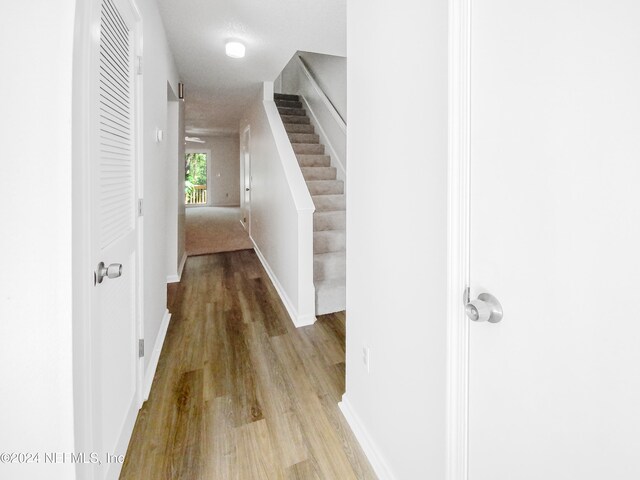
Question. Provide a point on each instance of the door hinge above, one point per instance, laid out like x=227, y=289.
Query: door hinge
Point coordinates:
x=141, y=348
x=139, y=65
x=140, y=207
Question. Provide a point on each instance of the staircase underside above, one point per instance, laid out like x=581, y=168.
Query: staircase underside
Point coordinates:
x=327, y=192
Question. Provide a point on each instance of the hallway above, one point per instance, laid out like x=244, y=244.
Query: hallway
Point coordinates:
x=214, y=230
x=240, y=393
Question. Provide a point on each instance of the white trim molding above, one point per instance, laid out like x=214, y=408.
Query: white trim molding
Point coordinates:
x=298, y=320
x=458, y=239
x=371, y=450
x=176, y=278
x=155, y=354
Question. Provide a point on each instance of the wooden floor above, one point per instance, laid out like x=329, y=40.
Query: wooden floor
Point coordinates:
x=239, y=393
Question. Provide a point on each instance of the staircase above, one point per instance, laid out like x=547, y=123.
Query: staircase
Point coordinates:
x=329, y=219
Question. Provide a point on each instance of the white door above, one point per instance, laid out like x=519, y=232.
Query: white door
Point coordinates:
x=554, y=388
x=246, y=161
x=114, y=330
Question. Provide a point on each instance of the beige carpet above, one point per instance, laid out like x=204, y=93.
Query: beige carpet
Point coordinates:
x=214, y=230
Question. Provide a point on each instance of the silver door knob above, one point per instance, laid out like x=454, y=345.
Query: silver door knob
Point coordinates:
x=112, y=271
x=486, y=308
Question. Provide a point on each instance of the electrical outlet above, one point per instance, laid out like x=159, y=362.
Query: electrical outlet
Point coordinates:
x=365, y=358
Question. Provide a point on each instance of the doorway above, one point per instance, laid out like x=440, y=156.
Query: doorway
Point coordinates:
x=196, y=177
x=245, y=164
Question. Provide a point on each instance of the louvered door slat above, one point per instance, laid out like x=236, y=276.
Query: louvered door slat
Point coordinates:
x=116, y=205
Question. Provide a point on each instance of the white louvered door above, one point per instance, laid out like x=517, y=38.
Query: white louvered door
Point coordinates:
x=115, y=233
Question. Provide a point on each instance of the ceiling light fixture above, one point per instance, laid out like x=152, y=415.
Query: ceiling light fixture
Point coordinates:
x=234, y=49
x=194, y=140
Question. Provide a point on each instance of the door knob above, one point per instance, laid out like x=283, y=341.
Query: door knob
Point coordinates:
x=247, y=189
x=112, y=271
x=486, y=308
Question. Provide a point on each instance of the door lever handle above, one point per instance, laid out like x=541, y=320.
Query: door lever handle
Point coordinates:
x=486, y=308
x=112, y=271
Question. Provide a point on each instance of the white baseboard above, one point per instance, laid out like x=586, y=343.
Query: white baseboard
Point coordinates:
x=298, y=320
x=176, y=278
x=369, y=447
x=155, y=354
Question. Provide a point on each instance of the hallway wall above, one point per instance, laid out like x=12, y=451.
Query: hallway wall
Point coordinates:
x=396, y=266
x=36, y=390
x=225, y=162
x=158, y=69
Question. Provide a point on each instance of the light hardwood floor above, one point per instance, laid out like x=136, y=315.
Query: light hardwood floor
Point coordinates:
x=240, y=393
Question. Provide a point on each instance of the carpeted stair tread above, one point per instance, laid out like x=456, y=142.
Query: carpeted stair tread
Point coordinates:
x=295, y=119
x=304, y=138
x=286, y=96
x=288, y=104
x=310, y=160
x=329, y=265
x=319, y=173
x=331, y=295
x=299, y=128
x=329, y=241
x=308, y=148
x=329, y=220
x=299, y=112
x=329, y=203
x=325, y=187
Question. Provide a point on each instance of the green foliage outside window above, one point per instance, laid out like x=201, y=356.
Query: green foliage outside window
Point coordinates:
x=195, y=170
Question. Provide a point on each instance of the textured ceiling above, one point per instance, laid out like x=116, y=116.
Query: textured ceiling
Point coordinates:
x=218, y=88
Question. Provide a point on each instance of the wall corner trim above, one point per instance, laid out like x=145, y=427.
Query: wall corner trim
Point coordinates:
x=155, y=354
x=176, y=278
x=298, y=320
x=369, y=447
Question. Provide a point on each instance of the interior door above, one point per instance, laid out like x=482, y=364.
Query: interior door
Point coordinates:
x=246, y=159
x=114, y=330
x=555, y=227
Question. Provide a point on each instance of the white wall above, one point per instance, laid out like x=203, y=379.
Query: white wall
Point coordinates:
x=181, y=170
x=36, y=390
x=175, y=185
x=396, y=265
x=159, y=69
x=330, y=72
x=224, y=168
x=281, y=209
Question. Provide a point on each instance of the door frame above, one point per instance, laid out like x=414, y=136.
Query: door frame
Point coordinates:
x=458, y=254
x=245, y=146
x=207, y=151
x=84, y=65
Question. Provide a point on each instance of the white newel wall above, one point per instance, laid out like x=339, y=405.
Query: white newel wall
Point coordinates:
x=281, y=209
x=397, y=251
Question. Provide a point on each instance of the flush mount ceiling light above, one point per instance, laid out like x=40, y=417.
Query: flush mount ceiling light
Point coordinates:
x=234, y=49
